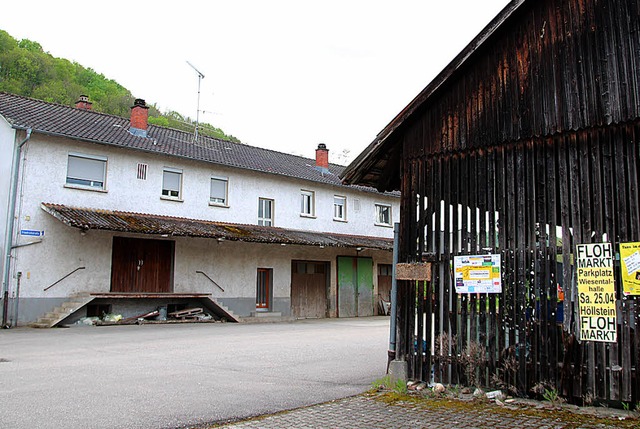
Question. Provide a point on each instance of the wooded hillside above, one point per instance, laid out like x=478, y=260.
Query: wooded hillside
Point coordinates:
x=25, y=69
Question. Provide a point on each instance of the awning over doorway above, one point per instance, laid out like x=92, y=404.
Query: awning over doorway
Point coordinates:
x=142, y=223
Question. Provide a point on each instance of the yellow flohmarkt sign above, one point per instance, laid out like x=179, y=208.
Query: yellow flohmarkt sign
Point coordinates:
x=596, y=293
x=630, y=264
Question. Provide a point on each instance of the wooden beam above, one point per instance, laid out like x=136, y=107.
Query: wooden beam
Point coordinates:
x=414, y=271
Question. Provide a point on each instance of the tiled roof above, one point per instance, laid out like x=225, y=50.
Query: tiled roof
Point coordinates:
x=141, y=223
x=71, y=122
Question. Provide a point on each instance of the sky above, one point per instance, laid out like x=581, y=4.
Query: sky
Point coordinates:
x=279, y=74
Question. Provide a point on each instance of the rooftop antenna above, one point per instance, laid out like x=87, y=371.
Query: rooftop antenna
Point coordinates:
x=200, y=77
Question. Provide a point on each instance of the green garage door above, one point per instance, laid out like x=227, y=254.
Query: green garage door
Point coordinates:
x=355, y=286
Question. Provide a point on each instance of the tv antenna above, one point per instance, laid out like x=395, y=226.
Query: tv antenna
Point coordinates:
x=200, y=77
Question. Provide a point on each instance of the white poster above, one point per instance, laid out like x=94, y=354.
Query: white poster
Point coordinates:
x=477, y=274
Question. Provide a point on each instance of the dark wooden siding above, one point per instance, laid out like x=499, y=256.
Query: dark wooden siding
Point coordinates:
x=531, y=201
x=555, y=66
x=527, y=149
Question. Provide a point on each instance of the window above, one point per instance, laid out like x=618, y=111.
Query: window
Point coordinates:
x=383, y=214
x=385, y=270
x=339, y=208
x=263, y=289
x=265, y=212
x=86, y=171
x=219, y=189
x=307, y=206
x=171, y=183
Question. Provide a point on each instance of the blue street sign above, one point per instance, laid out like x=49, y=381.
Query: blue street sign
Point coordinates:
x=31, y=232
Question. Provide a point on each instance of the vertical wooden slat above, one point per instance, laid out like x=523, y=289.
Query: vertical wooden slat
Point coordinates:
x=550, y=259
x=464, y=298
x=541, y=268
x=473, y=224
x=455, y=250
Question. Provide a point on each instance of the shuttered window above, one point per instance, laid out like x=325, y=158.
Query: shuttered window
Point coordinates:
x=171, y=183
x=85, y=170
x=218, y=194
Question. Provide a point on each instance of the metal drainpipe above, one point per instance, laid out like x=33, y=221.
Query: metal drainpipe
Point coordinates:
x=394, y=297
x=13, y=190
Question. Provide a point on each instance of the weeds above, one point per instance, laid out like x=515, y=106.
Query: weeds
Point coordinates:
x=382, y=383
x=400, y=387
x=474, y=361
x=548, y=392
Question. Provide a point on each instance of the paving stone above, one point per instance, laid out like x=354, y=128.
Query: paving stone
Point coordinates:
x=365, y=412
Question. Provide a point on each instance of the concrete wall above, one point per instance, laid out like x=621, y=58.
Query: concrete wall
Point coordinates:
x=232, y=265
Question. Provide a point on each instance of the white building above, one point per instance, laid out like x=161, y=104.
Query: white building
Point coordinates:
x=110, y=214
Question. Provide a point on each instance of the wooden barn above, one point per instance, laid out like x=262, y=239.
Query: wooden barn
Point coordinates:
x=518, y=166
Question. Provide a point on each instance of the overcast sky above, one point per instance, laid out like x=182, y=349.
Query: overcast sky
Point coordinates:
x=280, y=74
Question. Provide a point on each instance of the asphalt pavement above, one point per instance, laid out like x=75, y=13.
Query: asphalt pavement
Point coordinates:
x=170, y=376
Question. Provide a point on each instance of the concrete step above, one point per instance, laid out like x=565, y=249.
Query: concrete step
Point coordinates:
x=58, y=314
x=39, y=325
x=221, y=310
x=267, y=319
x=263, y=314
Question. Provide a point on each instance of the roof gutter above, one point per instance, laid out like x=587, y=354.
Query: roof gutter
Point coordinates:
x=8, y=245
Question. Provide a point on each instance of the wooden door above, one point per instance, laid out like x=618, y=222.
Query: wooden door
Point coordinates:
x=142, y=265
x=263, y=289
x=365, y=286
x=309, y=282
x=355, y=286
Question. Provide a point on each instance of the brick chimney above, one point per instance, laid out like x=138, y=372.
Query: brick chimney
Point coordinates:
x=322, y=158
x=83, y=103
x=139, y=118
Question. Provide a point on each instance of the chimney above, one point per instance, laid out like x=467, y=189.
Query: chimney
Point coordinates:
x=139, y=118
x=83, y=103
x=322, y=158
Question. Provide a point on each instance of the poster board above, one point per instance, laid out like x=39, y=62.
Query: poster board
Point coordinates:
x=596, y=293
x=477, y=273
x=630, y=268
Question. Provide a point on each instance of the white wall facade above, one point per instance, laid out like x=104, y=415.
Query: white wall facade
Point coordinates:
x=231, y=264
x=7, y=139
x=46, y=168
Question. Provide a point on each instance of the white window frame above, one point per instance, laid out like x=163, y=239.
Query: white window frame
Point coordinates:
x=90, y=184
x=168, y=195
x=307, y=203
x=263, y=220
x=343, y=206
x=378, y=213
x=216, y=201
